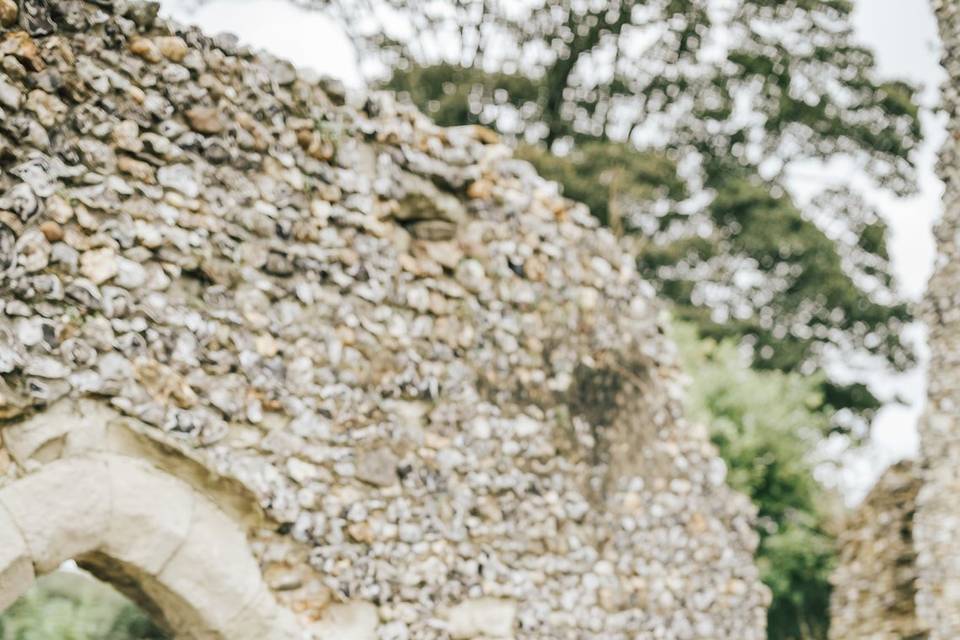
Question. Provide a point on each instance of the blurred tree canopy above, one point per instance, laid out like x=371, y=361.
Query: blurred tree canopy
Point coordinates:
x=767, y=428
x=680, y=122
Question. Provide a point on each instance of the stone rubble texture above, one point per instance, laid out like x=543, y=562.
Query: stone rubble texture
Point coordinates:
x=938, y=519
x=875, y=582
x=445, y=386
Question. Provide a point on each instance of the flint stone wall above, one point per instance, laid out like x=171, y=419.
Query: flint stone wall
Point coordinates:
x=879, y=566
x=445, y=385
x=938, y=519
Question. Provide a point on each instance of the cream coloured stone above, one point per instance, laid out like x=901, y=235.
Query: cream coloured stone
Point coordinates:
x=348, y=621
x=151, y=515
x=62, y=510
x=24, y=439
x=99, y=265
x=213, y=570
x=262, y=619
x=132, y=438
x=87, y=425
x=126, y=512
x=88, y=433
x=482, y=618
x=16, y=566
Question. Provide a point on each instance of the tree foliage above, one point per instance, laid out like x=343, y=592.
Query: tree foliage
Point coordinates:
x=766, y=426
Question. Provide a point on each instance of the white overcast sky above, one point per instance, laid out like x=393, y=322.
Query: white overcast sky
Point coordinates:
x=903, y=34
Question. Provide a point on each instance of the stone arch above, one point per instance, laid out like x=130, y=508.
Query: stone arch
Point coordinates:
x=151, y=535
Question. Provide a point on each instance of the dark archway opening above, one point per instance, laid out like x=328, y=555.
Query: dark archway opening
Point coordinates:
x=71, y=604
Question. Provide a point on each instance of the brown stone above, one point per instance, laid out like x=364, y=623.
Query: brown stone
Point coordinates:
x=480, y=190
x=52, y=231
x=485, y=135
x=316, y=145
x=361, y=532
x=20, y=45
x=172, y=48
x=139, y=170
x=875, y=580
x=8, y=12
x=146, y=49
x=205, y=120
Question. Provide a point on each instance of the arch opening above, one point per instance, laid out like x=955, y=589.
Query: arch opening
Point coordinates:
x=153, y=537
x=70, y=603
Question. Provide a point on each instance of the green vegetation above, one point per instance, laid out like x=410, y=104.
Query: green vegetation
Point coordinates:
x=766, y=426
x=72, y=606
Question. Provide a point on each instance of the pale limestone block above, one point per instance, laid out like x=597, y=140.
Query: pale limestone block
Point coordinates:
x=25, y=438
x=263, y=619
x=89, y=434
x=213, y=570
x=151, y=515
x=348, y=621
x=16, y=566
x=62, y=510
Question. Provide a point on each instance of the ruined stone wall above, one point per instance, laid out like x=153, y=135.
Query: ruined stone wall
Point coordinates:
x=445, y=385
x=938, y=516
x=874, y=584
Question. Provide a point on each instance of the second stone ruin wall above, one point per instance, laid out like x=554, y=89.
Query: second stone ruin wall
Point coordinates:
x=875, y=583
x=938, y=518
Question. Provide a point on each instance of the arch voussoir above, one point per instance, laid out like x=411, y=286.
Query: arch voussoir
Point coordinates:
x=16, y=565
x=153, y=535
x=262, y=619
x=151, y=515
x=62, y=511
x=213, y=568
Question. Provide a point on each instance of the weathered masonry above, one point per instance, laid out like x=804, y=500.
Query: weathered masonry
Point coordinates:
x=280, y=362
x=118, y=503
x=938, y=518
x=875, y=584
x=900, y=565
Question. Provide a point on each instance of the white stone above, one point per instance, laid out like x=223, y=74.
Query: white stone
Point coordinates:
x=46, y=367
x=348, y=621
x=130, y=274
x=23, y=439
x=98, y=265
x=181, y=177
x=482, y=618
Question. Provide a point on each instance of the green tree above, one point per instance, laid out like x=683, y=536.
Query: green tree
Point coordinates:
x=767, y=427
